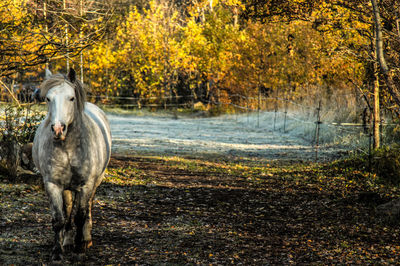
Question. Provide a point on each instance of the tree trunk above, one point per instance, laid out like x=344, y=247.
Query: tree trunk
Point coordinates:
x=46, y=28
x=392, y=89
x=66, y=38
x=81, y=40
x=398, y=21
x=377, y=118
x=13, y=158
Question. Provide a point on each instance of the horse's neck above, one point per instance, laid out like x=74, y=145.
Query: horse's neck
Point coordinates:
x=77, y=128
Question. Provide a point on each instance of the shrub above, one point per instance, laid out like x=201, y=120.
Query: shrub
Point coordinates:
x=17, y=128
x=386, y=164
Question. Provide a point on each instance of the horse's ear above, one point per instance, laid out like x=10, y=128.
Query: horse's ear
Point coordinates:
x=47, y=73
x=72, y=75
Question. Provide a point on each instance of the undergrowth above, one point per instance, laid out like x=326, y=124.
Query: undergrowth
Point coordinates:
x=383, y=163
x=17, y=128
x=386, y=164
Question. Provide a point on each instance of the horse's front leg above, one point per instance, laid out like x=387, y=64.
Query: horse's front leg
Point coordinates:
x=83, y=221
x=58, y=219
x=68, y=197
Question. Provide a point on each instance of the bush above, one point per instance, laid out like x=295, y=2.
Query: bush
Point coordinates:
x=386, y=164
x=17, y=129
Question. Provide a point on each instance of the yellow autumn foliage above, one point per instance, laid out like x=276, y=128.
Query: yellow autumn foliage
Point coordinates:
x=206, y=49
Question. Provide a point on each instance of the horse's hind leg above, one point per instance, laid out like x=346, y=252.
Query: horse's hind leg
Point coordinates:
x=68, y=197
x=56, y=203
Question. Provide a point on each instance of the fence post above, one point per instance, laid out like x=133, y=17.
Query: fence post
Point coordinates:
x=247, y=109
x=284, y=120
x=258, y=107
x=237, y=110
x=276, y=110
x=317, y=129
x=382, y=132
x=370, y=154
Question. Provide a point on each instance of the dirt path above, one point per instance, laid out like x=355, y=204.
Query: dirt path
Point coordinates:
x=178, y=211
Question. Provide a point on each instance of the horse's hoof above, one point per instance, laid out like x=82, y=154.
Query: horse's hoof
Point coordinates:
x=78, y=256
x=88, y=244
x=56, y=258
x=82, y=247
x=68, y=248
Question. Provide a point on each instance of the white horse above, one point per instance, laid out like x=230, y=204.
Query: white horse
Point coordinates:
x=71, y=149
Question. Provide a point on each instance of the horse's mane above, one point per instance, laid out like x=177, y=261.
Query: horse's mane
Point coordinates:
x=59, y=79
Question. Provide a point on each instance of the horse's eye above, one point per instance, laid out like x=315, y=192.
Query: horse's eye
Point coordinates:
x=72, y=99
x=47, y=99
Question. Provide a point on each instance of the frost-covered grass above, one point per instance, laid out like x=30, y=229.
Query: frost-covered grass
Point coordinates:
x=262, y=135
x=340, y=116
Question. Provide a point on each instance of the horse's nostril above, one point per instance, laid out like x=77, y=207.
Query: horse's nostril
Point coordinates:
x=58, y=128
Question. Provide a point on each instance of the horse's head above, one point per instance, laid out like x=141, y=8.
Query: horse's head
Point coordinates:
x=64, y=97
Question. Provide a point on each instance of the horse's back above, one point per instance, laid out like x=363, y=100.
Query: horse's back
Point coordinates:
x=99, y=116
x=100, y=119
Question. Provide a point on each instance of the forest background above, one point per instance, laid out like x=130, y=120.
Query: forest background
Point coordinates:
x=212, y=51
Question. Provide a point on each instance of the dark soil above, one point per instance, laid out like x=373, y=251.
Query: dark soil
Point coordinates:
x=171, y=211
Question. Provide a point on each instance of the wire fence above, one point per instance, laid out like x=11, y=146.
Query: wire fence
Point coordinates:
x=284, y=115
x=280, y=114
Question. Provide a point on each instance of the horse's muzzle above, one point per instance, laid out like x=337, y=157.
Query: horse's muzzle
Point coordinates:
x=59, y=130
